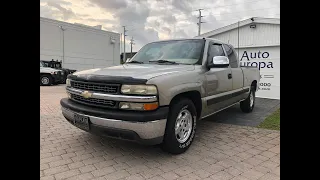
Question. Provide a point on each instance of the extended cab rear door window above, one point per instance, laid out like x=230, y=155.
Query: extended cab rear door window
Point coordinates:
x=231, y=56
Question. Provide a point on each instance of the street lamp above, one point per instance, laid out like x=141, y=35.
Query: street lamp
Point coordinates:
x=62, y=29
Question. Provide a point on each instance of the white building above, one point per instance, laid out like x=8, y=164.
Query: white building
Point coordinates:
x=78, y=46
x=257, y=41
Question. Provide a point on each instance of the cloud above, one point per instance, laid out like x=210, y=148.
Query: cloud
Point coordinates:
x=61, y=2
x=67, y=13
x=166, y=29
x=46, y=11
x=169, y=18
x=184, y=6
x=150, y=20
x=101, y=21
x=180, y=34
x=210, y=23
x=132, y=14
x=111, y=4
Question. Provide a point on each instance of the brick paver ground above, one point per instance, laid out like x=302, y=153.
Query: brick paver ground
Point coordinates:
x=219, y=151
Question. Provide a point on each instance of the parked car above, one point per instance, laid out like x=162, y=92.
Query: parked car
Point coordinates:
x=49, y=76
x=158, y=96
x=58, y=65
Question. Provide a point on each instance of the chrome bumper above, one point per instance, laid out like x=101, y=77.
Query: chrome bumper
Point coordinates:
x=145, y=130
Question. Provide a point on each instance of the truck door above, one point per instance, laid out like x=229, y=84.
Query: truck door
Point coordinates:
x=219, y=83
x=237, y=74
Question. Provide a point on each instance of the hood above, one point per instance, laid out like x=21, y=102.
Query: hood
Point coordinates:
x=48, y=70
x=137, y=71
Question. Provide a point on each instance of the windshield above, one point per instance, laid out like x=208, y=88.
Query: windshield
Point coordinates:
x=58, y=65
x=178, y=51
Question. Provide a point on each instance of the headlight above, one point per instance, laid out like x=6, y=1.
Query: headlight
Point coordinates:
x=68, y=83
x=138, y=106
x=139, y=89
x=69, y=95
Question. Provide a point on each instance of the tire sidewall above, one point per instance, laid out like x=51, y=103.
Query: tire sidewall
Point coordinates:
x=252, y=91
x=49, y=79
x=184, y=104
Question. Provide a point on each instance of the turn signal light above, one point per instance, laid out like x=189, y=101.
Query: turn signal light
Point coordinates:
x=138, y=106
x=150, y=106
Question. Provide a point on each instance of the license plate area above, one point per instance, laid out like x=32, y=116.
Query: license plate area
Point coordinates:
x=81, y=122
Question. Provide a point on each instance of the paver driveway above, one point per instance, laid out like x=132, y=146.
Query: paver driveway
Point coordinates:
x=219, y=151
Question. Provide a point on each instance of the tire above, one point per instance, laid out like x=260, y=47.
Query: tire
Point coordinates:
x=247, y=105
x=45, y=80
x=173, y=143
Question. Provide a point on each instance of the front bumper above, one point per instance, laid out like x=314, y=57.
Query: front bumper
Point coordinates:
x=134, y=126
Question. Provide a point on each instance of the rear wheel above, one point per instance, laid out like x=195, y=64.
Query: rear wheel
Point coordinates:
x=248, y=104
x=45, y=80
x=181, y=126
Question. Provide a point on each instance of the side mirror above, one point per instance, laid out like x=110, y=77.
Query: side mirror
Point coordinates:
x=218, y=61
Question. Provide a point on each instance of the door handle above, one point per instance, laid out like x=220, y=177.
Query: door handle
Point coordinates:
x=229, y=76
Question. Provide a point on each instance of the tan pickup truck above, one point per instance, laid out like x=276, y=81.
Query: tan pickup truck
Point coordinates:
x=157, y=96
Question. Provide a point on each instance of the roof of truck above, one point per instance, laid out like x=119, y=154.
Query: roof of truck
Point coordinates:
x=179, y=39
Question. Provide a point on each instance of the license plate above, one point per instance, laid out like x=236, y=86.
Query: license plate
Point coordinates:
x=81, y=121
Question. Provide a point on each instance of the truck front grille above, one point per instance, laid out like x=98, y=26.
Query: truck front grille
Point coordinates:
x=97, y=87
x=94, y=101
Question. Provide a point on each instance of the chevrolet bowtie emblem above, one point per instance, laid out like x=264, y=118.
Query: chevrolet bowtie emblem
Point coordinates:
x=86, y=94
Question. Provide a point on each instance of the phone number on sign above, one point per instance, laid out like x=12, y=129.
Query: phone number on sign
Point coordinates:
x=264, y=86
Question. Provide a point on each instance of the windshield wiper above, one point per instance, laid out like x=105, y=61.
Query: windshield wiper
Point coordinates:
x=138, y=62
x=163, y=61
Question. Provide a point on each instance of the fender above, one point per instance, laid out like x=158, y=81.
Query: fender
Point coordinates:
x=167, y=95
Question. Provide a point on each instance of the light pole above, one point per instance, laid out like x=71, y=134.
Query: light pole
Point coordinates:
x=131, y=43
x=124, y=43
x=62, y=29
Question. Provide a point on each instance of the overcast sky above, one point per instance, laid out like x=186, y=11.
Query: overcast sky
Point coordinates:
x=150, y=20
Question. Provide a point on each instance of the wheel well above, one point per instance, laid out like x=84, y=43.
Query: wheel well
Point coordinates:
x=254, y=84
x=194, y=96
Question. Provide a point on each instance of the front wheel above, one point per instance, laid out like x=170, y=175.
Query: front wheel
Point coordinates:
x=45, y=80
x=248, y=104
x=181, y=126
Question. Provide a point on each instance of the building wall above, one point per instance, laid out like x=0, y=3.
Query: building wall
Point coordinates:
x=84, y=47
x=259, y=47
x=262, y=35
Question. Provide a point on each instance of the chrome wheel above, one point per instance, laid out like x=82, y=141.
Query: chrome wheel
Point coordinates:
x=183, y=126
x=251, y=99
x=45, y=80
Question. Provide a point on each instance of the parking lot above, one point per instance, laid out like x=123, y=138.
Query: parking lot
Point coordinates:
x=219, y=151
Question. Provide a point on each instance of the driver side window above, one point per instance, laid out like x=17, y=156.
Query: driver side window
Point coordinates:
x=215, y=50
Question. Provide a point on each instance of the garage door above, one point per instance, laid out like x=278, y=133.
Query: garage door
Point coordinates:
x=267, y=59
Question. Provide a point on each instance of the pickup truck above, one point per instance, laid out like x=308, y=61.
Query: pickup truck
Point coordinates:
x=158, y=95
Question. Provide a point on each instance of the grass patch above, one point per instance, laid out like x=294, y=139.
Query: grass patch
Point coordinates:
x=272, y=122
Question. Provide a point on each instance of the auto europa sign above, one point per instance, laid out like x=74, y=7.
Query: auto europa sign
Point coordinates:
x=246, y=58
x=267, y=59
